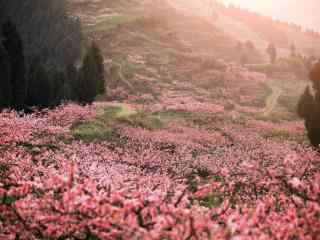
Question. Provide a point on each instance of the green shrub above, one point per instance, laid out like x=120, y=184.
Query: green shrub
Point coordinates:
x=212, y=200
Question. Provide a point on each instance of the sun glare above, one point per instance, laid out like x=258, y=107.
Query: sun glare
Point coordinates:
x=252, y=4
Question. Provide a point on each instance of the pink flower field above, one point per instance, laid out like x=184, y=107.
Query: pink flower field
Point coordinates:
x=183, y=181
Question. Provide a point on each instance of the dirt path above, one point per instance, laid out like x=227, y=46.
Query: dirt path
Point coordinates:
x=272, y=101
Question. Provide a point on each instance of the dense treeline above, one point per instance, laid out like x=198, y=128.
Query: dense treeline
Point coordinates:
x=47, y=29
x=40, y=54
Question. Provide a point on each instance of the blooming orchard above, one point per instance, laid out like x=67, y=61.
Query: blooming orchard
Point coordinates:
x=180, y=182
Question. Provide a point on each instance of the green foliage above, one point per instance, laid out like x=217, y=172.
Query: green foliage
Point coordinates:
x=3, y=170
x=192, y=183
x=93, y=130
x=212, y=200
x=8, y=200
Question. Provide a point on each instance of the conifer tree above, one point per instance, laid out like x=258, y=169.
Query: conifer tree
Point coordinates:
x=58, y=82
x=309, y=107
x=315, y=78
x=5, y=80
x=65, y=93
x=72, y=79
x=306, y=104
x=98, y=58
x=272, y=51
x=13, y=44
x=41, y=87
x=88, y=83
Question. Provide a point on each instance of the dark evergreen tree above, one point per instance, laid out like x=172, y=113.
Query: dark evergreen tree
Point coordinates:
x=58, y=81
x=272, y=52
x=72, y=79
x=99, y=61
x=315, y=78
x=309, y=107
x=306, y=104
x=13, y=44
x=47, y=29
x=88, y=81
x=65, y=93
x=5, y=79
x=41, y=87
x=46, y=49
x=313, y=126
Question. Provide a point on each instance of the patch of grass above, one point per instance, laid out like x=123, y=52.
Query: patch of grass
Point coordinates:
x=102, y=127
x=143, y=120
x=173, y=114
x=263, y=68
x=278, y=134
x=123, y=72
x=93, y=130
x=108, y=23
x=283, y=135
x=275, y=118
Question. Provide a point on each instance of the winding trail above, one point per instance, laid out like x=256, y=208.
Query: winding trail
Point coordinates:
x=272, y=101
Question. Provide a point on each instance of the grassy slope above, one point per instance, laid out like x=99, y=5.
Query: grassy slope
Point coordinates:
x=152, y=46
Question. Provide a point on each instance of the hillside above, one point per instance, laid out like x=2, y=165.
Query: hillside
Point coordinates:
x=185, y=144
x=299, y=12
x=245, y=25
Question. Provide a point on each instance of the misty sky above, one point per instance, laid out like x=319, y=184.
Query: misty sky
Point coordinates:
x=300, y=11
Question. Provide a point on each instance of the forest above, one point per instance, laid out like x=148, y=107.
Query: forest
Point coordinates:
x=41, y=48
